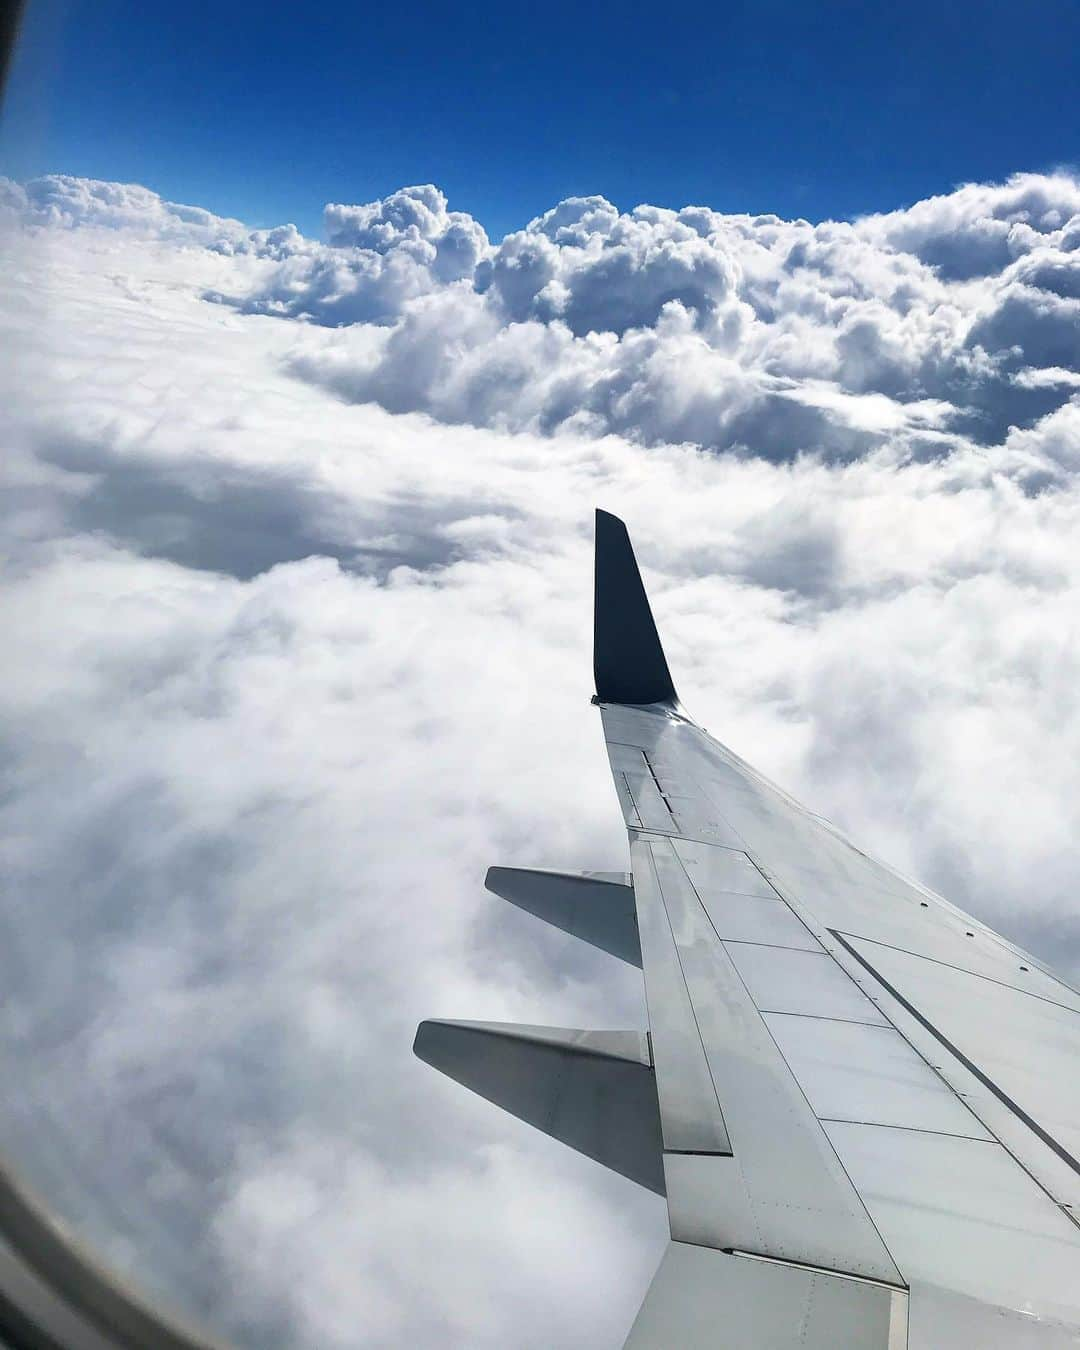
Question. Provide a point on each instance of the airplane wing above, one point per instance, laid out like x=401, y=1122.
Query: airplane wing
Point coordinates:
x=862, y=1104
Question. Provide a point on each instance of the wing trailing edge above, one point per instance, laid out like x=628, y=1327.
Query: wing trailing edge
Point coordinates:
x=702, y=1298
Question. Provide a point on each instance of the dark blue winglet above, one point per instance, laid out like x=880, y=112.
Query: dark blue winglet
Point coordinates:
x=628, y=660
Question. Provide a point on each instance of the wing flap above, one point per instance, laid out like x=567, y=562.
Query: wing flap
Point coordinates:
x=1032, y=1100
x=784, y=1192
x=691, y=1117
x=852, y=1071
x=963, y=1214
x=701, y=1299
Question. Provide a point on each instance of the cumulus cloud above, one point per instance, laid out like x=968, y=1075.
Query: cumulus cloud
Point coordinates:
x=298, y=614
x=744, y=333
x=724, y=330
x=379, y=257
x=980, y=229
x=64, y=202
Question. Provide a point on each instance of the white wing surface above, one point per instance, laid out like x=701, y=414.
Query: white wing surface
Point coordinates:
x=867, y=1105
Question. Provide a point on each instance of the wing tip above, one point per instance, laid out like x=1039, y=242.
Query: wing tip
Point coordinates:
x=629, y=665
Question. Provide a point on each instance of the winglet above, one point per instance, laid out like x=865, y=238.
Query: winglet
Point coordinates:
x=628, y=660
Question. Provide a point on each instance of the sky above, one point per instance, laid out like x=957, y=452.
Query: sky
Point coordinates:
x=296, y=529
x=823, y=110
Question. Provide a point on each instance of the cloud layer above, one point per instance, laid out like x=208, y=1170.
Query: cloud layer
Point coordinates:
x=765, y=336
x=298, y=603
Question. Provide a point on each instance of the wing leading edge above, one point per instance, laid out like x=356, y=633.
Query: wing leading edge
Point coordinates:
x=862, y=1104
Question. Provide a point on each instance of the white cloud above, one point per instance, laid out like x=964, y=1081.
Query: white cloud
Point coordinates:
x=664, y=325
x=980, y=228
x=379, y=258
x=669, y=325
x=64, y=202
x=288, y=668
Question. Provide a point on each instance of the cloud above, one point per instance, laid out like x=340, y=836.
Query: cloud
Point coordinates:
x=380, y=257
x=979, y=229
x=298, y=623
x=723, y=330
x=64, y=202
x=414, y=219
x=744, y=333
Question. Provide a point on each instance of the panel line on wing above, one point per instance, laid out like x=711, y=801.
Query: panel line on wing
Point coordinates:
x=626, y=801
x=824, y=1017
x=815, y=1270
x=752, y=942
x=715, y=844
x=963, y=970
x=1011, y=1106
x=912, y=1129
x=648, y=765
x=1002, y=1096
x=651, y=804
x=750, y=895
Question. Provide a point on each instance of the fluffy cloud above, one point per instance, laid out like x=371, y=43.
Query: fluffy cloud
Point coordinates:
x=63, y=202
x=298, y=644
x=980, y=229
x=754, y=334
x=379, y=258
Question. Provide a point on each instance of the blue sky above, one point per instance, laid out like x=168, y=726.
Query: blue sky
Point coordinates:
x=266, y=112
